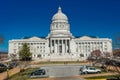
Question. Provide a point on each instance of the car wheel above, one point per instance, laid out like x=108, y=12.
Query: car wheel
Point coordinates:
x=43, y=73
x=85, y=72
x=98, y=72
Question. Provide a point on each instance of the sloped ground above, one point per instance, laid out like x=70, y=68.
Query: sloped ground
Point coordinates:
x=61, y=71
x=10, y=73
x=81, y=77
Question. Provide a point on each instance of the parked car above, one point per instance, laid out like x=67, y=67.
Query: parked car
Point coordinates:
x=38, y=73
x=82, y=67
x=88, y=70
x=13, y=64
x=2, y=67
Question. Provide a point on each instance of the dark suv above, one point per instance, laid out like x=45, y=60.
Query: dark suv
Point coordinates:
x=38, y=72
x=13, y=64
x=2, y=67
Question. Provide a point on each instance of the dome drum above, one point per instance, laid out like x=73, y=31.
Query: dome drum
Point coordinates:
x=60, y=25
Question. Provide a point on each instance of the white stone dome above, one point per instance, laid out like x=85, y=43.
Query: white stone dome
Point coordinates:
x=59, y=15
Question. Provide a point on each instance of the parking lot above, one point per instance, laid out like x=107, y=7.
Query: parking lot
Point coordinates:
x=62, y=71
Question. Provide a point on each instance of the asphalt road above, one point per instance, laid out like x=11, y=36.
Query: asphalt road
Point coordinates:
x=62, y=71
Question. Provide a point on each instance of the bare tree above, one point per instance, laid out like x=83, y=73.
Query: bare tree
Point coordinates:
x=13, y=56
x=116, y=52
x=1, y=39
x=95, y=56
x=107, y=54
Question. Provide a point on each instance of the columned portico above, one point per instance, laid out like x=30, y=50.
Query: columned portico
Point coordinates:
x=60, y=35
x=60, y=46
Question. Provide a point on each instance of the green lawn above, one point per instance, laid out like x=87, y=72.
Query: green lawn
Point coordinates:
x=61, y=62
x=23, y=75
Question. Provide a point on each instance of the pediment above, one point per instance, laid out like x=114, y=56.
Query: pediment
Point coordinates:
x=85, y=37
x=34, y=38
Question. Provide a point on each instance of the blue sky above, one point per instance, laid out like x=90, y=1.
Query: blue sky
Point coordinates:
x=19, y=18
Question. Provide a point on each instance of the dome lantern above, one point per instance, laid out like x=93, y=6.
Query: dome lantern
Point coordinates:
x=59, y=10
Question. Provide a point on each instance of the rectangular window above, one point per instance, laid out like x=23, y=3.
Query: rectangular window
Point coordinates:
x=14, y=50
x=105, y=42
x=105, y=45
x=19, y=47
x=105, y=48
x=38, y=43
x=37, y=47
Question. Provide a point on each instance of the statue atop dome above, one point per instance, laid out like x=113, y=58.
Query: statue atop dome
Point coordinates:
x=59, y=10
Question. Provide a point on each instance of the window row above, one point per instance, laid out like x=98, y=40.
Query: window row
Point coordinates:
x=30, y=43
x=37, y=47
x=34, y=51
x=89, y=42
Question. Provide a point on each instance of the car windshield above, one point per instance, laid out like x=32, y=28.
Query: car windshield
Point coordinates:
x=41, y=70
x=92, y=68
x=2, y=65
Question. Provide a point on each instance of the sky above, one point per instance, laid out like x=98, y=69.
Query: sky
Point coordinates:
x=27, y=18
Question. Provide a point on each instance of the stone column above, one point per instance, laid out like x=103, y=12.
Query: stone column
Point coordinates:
x=57, y=46
x=83, y=46
x=62, y=46
x=65, y=46
x=54, y=45
x=77, y=47
x=50, y=46
x=69, y=46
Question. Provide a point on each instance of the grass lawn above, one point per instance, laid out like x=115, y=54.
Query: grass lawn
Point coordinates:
x=24, y=75
x=62, y=62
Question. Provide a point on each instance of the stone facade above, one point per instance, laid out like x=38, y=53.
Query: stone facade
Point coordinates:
x=60, y=44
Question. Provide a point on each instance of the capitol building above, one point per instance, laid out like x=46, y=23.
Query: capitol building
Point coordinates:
x=60, y=44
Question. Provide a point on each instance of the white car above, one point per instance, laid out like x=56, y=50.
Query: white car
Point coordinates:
x=90, y=70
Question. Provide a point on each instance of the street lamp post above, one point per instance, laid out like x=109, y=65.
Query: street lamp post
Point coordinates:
x=7, y=72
